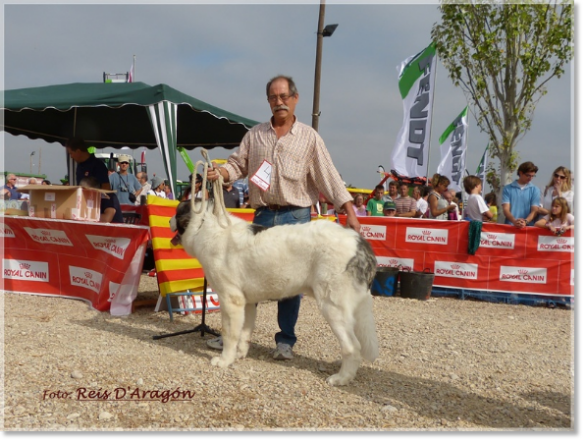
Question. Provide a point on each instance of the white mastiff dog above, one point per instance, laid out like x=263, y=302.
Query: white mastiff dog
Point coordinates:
x=247, y=264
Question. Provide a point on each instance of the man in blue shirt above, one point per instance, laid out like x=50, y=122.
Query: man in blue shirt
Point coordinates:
x=87, y=163
x=521, y=198
x=127, y=185
x=10, y=191
x=242, y=186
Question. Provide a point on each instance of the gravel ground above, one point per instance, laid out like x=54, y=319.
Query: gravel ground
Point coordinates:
x=445, y=364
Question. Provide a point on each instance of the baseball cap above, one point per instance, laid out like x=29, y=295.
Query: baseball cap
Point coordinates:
x=124, y=159
x=389, y=205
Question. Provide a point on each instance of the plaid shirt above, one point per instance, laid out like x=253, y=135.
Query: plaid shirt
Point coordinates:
x=405, y=204
x=301, y=167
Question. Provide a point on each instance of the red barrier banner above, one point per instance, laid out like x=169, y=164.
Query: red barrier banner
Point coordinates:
x=530, y=260
x=95, y=262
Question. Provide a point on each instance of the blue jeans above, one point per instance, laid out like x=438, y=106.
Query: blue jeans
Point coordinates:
x=288, y=309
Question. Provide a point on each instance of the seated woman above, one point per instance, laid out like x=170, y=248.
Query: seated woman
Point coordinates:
x=559, y=220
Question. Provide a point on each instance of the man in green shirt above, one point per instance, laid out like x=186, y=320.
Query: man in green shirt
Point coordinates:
x=375, y=205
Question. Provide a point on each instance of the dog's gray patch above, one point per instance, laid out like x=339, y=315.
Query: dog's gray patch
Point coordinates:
x=363, y=265
x=257, y=228
x=183, y=216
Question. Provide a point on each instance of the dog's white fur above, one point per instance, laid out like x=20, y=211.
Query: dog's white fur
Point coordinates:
x=320, y=259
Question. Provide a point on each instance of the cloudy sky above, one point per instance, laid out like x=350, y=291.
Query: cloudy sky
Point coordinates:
x=224, y=55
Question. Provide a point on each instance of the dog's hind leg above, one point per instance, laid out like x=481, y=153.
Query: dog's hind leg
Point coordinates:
x=232, y=321
x=341, y=320
x=246, y=336
x=365, y=327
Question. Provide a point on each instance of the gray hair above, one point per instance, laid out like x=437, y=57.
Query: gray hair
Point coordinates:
x=292, y=87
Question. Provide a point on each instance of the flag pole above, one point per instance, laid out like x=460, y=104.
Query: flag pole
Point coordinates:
x=133, y=67
x=435, y=58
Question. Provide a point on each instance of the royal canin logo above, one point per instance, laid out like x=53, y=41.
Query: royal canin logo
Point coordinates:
x=455, y=266
x=88, y=275
x=523, y=271
x=24, y=265
x=491, y=236
x=426, y=232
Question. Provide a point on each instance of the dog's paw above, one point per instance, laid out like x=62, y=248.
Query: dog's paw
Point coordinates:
x=217, y=361
x=242, y=351
x=338, y=379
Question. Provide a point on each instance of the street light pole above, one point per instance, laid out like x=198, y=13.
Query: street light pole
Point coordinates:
x=327, y=32
x=30, y=160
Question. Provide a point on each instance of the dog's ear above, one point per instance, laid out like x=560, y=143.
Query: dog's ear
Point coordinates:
x=182, y=216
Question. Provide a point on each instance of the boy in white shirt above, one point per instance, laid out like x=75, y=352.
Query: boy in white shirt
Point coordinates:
x=477, y=209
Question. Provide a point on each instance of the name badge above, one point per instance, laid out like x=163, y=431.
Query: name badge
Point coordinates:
x=262, y=176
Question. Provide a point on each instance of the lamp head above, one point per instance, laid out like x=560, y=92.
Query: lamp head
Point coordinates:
x=329, y=30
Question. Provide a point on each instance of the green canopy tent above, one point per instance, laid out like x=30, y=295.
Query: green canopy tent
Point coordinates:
x=120, y=115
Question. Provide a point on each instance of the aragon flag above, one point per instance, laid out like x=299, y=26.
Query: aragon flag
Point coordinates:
x=416, y=82
x=453, y=144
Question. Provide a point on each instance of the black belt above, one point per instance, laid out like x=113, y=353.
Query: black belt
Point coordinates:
x=277, y=208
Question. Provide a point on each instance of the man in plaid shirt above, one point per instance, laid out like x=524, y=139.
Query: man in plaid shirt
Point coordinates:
x=287, y=165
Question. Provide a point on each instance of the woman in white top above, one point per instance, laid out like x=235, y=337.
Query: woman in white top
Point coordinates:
x=438, y=205
x=560, y=185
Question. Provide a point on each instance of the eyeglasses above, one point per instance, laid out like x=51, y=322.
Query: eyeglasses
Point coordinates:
x=283, y=97
x=124, y=162
x=530, y=175
x=560, y=176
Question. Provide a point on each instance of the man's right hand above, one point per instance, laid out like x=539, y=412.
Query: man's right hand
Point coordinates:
x=213, y=173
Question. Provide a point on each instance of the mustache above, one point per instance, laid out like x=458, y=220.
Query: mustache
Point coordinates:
x=281, y=107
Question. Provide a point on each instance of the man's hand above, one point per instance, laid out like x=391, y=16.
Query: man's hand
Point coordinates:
x=213, y=173
x=352, y=220
x=520, y=223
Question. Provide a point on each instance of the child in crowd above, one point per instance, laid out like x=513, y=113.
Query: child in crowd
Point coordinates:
x=358, y=205
x=375, y=205
x=389, y=208
x=449, y=195
x=559, y=220
x=477, y=209
x=492, y=203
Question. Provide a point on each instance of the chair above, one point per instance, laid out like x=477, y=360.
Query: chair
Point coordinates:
x=131, y=217
x=178, y=274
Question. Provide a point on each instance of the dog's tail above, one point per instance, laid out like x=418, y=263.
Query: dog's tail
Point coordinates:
x=365, y=328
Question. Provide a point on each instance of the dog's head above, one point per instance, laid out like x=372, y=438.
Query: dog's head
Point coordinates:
x=180, y=221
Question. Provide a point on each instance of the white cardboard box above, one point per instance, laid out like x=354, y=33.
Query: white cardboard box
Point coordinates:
x=64, y=202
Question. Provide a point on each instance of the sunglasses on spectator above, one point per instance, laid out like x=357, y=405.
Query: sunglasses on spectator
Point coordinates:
x=124, y=162
x=560, y=176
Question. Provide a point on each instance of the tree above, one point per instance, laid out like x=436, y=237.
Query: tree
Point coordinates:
x=502, y=55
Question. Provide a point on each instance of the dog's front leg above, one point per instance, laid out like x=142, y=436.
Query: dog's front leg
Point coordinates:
x=246, y=336
x=232, y=322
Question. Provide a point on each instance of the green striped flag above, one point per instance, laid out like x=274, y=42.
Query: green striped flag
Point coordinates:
x=482, y=168
x=453, y=144
x=416, y=84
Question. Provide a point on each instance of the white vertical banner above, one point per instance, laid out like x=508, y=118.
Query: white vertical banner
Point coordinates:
x=482, y=169
x=416, y=82
x=453, y=144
